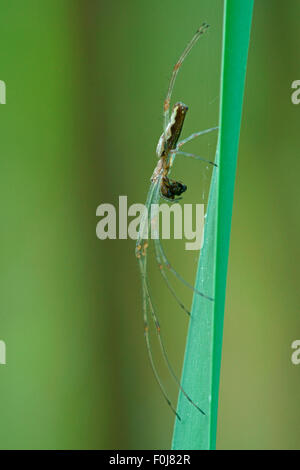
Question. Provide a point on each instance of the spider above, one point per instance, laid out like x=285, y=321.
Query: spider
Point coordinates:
x=163, y=187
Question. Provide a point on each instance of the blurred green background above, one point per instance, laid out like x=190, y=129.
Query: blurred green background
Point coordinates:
x=85, y=86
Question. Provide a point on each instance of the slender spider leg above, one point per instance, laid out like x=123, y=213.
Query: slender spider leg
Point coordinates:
x=191, y=155
x=155, y=200
x=154, y=228
x=176, y=274
x=176, y=68
x=142, y=265
x=145, y=222
x=141, y=254
x=194, y=135
x=169, y=285
x=175, y=151
x=161, y=256
x=157, y=326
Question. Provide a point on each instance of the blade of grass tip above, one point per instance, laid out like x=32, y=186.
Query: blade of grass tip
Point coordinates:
x=202, y=363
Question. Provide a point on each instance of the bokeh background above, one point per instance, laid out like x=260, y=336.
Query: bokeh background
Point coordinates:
x=85, y=86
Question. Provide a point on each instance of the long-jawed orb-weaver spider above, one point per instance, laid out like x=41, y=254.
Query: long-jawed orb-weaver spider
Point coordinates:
x=163, y=187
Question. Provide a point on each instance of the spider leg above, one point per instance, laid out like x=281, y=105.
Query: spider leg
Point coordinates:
x=176, y=151
x=176, y=274
x=191, y=155
x=141, y=254
x=163, y=273
x=194, y=135
x=157, y=326
x=176, y=68
x=142, y=265
x=156, y=321
x=155, y=231
x=159, y=249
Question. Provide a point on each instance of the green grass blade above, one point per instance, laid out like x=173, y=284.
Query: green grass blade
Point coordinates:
x=202, y=363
